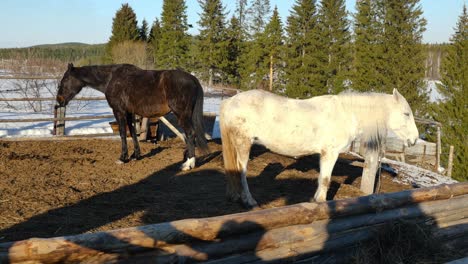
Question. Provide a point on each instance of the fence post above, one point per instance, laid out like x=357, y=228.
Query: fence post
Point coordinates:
x=144, y=129
x=438, y=146
x=450, y=162
x=371, y=165
x=59, y=125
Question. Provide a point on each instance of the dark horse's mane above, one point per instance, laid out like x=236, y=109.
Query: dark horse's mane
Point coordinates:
x=97, y=76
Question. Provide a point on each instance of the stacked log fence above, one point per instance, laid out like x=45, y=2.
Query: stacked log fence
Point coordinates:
x=302, y=233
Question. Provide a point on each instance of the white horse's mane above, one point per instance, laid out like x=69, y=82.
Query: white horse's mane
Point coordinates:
x=371, y=109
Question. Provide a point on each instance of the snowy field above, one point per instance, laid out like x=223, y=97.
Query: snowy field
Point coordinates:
x=48, y=88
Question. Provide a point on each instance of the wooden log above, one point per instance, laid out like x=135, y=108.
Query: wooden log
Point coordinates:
x=103, y=136
x=371, y=164
x=450, y=162
x=163, y=235
x=40, y=99
x=144, y=129
x=172, y=128
x=59, y=125
x=337, y=236
x=438, y=146
x=459, y=261
x=54, y=119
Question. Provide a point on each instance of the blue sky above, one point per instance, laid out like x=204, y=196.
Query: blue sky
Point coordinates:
x=31, y=22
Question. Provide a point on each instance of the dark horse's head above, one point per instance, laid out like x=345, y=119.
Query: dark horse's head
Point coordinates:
x=69, y=86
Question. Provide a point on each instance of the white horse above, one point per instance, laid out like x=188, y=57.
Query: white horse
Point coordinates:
x=291, y=127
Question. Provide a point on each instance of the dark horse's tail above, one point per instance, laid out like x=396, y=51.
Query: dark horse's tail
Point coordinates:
x=197, y=120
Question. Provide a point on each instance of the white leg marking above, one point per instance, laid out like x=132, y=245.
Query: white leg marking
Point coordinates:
x=188, y=164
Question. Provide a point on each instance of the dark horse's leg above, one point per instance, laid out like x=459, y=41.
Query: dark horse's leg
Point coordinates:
x=136, y=145
x=189, y=154
x=121, y=120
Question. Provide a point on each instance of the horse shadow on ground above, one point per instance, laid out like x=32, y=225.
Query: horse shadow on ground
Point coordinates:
x=161, y=196
x=167, y=192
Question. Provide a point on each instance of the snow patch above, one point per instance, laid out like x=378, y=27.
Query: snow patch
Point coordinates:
x=416, y=176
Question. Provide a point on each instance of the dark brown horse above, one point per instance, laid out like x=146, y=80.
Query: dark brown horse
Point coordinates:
x=130, y=90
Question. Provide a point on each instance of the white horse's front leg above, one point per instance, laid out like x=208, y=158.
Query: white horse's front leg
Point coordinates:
x=327, y=162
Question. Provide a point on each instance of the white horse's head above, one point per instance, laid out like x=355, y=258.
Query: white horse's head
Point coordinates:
x=401, y=120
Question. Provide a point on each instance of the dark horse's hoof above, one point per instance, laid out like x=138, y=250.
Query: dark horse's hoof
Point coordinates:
x=120, y=161
x=135, y=157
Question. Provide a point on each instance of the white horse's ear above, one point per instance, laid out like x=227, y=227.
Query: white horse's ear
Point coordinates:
x=396, y=94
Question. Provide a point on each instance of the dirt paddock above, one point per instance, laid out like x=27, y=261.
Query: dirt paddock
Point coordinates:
x=54, y=188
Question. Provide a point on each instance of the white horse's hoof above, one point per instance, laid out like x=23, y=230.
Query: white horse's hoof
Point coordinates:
x=188, y=164
x=318, y=200
x=119, y=162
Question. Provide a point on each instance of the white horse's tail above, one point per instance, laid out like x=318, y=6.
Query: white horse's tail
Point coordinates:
x=232, y=165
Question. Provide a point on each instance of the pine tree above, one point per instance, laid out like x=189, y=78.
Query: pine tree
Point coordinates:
x=366, y=61
x=336, y=37
x=174, y=42
x=304, y=72
x=143, y=31
x=403, y=58
x=124, y=28
x=273, y=39
x=212, y=36
x=453, y=111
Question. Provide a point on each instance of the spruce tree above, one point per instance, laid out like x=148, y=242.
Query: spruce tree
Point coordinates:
x=238, y=44
x=143, y=31
x=153, y=39
x=254, y=68
x=403, y=58
x=259, y=12
x=234, y=48
x=174, y=42
x=273, y=41
x=336, y=37
x=241, y=14
x=155, y=33
x=366, y=61
x=304, y=72
x=452, y=112
x=213, y=53
x=124, y=28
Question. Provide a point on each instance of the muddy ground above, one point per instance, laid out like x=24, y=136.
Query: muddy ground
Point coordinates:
x=54, y=188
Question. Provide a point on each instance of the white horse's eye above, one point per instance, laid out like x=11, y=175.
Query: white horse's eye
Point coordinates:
x=407, y=114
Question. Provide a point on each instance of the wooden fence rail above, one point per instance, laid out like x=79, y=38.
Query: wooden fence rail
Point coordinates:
x=300, y=231
x=55, y=119
x=37, y=99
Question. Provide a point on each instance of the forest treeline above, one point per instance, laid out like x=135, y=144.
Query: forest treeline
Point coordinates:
x=83, y=54
x=94, y=54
